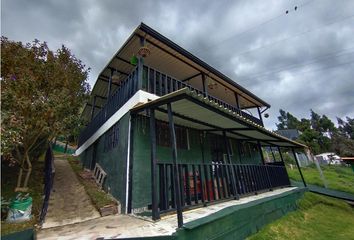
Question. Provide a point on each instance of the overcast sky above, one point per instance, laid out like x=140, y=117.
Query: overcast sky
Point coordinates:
x=297, y=61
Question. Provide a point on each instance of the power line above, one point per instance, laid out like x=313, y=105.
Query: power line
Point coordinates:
x=321, y=69
x=311, y=61
x=295, y=35
x=260, y=24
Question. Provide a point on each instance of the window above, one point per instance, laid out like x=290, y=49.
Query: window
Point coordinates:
x=111, y=138
x=163, y=135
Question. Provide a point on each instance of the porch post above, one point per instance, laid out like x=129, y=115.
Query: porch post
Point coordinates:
x=228, y=153
x=260, y=151
x=175, y=167
x=260, y=115
x=271, y=150
x=205, y=89
x=109, y=85
x=281, y=155
x=239, y=150
x=155, y=211
x=237, y=100
x=298, y=166
x=267, y=172
x=93, y=107
x=140, y=66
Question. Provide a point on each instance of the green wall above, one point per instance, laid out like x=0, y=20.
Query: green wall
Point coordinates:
x=113, y=162
x=240, y=221
x=141, y=192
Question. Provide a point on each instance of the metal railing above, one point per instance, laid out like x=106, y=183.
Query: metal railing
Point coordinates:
x=205, y=183
x=154, y=82
x=161, y=84
x=49, y=171
x=125, y=91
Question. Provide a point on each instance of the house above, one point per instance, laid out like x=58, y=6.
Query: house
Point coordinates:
x=167, y=132
x=328, y=158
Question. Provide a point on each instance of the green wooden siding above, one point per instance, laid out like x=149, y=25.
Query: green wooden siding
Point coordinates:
x=113, y=162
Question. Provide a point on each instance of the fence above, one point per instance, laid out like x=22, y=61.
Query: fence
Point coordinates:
x=48, y=181
x=204, y=183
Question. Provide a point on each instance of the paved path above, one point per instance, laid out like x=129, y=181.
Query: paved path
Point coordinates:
x=128, y=226
x=69, y=202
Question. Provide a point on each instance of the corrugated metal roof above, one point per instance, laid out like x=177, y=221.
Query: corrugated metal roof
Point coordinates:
x=195, y=111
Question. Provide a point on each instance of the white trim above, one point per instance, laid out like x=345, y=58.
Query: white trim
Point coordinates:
x=128, y=162
x=139, y=97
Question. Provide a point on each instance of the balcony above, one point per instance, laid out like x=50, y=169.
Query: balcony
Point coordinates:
x=154, y=82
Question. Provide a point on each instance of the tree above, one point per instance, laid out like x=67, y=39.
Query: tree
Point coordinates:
x=40, y=90
x=342, y=145
x=287, y=121
x=346, y=128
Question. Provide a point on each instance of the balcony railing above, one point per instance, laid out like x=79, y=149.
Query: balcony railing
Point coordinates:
x=205, y=183
x=125, y=91
x=154, y=82
x=161, y=84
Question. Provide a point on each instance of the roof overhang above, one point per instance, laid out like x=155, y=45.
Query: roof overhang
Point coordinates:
x=167, y=57
x=195, y=111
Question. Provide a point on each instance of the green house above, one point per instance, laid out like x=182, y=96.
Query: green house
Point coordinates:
x=167, y=132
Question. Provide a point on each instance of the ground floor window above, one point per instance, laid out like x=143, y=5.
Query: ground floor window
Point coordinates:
x=163, y=137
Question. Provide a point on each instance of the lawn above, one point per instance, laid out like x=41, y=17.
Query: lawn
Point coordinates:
x=338, y=177
x=98, y=197
x=8, y=184
x=318, y=217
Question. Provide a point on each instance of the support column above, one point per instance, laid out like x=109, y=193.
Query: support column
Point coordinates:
x=239, y=150
x=205, y=89
x=237, y=100
x=155, y=210
x=281, y=155
x=109, y=85
x=271, y=150
x=260, y=115
x=260, y=151
x=298, y=167
x=266, y=167
x=230, y=168
x=93, y=107
x=140, y=65
x=175, y=167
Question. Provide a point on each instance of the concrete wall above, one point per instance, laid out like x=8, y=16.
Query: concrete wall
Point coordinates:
x=241, y=221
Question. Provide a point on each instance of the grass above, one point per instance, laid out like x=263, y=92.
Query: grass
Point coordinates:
x=338, y=177
x=8, y=184
x=318, y=217
x=98, y=197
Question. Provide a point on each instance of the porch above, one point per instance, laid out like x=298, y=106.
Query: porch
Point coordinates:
x=177, y=185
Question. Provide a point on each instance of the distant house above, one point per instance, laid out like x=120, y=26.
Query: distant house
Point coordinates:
x=329, y=158
x=349, y=160
x=167, y=131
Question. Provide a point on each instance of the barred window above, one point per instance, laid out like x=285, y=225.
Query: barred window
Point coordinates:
x=163, y=135
x=111, y=138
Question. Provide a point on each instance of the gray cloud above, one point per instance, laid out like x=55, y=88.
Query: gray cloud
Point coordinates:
x=294, y=61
